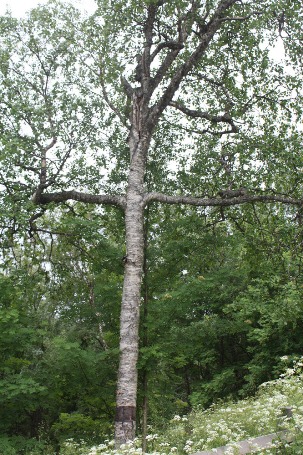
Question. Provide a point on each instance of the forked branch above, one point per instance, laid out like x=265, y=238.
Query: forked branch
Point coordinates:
x=182, y=71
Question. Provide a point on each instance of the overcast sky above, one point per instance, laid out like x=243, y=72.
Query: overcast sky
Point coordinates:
x=19, y=7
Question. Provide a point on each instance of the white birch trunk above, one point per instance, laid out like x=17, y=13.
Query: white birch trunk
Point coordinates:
x=125, y=425
x=129, y=323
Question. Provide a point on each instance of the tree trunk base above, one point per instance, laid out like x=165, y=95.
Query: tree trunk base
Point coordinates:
x=124, y=432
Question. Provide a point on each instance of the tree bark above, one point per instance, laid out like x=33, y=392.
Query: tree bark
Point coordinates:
x=125, y=425
x=125, y=422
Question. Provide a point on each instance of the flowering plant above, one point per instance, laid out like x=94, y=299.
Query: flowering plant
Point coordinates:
x=223, y=423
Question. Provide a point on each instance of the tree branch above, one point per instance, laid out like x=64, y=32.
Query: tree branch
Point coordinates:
x=205, y=38
x=67, y=154
x=225, y=118
x=242, y=18
x=43, y=171
x=146, y=58
x=32, y=221
x=127, y=87
x=174, y=46
x=219, y=201
x=28, y=168
x=108, y=101
x=205, y=130
x=45, y=198
x=220, y=84
x=168, y=60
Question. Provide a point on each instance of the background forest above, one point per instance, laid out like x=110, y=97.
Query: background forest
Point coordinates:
x=222, y=304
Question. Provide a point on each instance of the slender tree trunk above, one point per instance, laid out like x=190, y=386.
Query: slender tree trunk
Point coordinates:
x=129, y=324
x=125, y=425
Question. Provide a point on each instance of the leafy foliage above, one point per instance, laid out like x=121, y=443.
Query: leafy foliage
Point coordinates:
x=226, y=423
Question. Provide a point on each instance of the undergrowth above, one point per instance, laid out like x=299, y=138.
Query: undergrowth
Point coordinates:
x=221, y=424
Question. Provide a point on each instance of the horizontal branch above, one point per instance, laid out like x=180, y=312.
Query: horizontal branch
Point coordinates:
x=219, y=201
x=208, y=130
x=107, y=199
x=225, y=118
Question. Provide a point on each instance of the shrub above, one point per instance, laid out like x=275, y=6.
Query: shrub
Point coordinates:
x=77, y=427
x=224, y=423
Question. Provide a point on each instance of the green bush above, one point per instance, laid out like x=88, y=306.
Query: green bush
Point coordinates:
x=77, y=427
x=18, y=445
x=224, y=424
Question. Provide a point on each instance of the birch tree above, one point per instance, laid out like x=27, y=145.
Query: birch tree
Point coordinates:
x=154, y=101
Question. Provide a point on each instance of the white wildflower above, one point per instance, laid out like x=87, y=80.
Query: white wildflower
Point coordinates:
x=151, y=437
